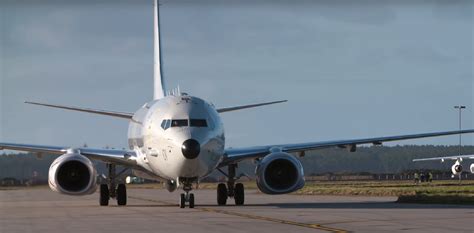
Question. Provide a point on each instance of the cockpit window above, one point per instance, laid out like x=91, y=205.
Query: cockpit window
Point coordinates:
x=198, y=123
x=165, y=124
x=179, y=123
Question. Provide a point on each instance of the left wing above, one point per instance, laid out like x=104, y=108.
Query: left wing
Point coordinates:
x=230, y=109
x=238, y=154
x=458, y=157
x=120, y=157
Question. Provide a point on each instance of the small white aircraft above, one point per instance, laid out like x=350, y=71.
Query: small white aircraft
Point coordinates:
x=457, y=167
x=179, y=139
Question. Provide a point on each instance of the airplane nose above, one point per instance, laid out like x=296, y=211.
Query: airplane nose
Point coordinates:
x=191, y=148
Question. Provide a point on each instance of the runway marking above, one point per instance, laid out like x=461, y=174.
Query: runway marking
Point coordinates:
x=258, y=217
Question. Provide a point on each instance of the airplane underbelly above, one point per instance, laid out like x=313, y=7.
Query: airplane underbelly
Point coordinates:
x=173, y=166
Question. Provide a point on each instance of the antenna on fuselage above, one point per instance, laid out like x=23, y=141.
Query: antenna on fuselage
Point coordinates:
x=158, y=79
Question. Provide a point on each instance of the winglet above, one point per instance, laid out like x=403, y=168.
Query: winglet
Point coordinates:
x=221, y=110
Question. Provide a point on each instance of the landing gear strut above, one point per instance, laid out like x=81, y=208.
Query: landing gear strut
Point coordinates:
x=186, y=197
x=111, y=189
x=232, y=189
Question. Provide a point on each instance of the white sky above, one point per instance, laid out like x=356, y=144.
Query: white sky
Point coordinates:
x=349, y=69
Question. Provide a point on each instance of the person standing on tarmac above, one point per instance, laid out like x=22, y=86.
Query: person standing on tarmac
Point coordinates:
x=430, y=177
x=417, y=178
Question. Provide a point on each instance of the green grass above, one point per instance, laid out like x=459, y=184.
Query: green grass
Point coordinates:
x=388, y=188
x=441, y=192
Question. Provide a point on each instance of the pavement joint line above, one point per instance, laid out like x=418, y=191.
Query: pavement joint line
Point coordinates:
x=258, y=217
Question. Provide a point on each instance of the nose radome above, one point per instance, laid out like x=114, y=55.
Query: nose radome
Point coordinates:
x=191, y=148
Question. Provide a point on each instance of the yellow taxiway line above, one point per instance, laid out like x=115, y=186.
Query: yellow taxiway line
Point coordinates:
x=258, y=217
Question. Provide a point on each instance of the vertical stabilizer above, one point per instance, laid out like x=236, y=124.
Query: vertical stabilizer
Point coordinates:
x=159, y=86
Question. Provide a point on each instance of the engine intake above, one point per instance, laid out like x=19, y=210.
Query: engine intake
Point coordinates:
x=279, y=173
x=472, y=168
x=456, y=168
x=72, y=174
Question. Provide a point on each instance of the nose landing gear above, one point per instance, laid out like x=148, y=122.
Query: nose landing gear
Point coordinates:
x=187, y=196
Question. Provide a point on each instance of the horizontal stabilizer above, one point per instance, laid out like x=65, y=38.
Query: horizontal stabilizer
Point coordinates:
x=221, y=110
x=88, y=110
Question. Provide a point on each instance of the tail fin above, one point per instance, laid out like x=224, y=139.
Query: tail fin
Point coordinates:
x=159, y=85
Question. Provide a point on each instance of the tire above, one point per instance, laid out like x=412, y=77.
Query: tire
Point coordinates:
x=191, y=200
x=121, y=194
x=222, y=194
x=104, y=195
x=239, y=195
x=182, y=200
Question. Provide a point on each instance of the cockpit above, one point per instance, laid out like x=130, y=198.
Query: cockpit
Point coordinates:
x=167, y=123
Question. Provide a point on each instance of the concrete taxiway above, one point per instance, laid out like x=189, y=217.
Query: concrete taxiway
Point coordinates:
x=41, y=210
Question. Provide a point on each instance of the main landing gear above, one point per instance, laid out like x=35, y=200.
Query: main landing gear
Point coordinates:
x=113, y=190
x=231, y=190
x=186, y=197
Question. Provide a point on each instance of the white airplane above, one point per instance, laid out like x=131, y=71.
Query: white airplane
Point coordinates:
x=179, y=139
x=457, y=167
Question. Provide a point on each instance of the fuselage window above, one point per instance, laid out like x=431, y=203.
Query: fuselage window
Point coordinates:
x=179, y=123
x=198, y=123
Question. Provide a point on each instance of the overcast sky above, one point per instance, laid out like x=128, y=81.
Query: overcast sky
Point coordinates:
x=349, y=69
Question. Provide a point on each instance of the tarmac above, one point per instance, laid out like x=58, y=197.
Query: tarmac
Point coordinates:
x=148, y=210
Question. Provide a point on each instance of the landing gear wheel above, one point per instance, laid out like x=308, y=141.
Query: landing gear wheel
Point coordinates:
x=121, y=194
x=221, y=194
x=182, y=200
x=191, y=200
x=104, y=195
x=239, y=195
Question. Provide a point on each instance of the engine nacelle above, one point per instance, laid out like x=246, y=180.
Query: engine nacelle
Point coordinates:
x=72, y=174
x=472, y=168
x=279, y=173
x=456, y=168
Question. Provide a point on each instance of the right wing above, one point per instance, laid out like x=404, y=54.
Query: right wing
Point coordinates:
x=446, y=158
x=120, y=157
x=125, y=115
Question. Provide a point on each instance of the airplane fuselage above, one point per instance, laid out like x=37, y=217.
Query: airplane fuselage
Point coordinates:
x=177, y=137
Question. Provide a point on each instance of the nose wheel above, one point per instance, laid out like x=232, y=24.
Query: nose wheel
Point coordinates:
x=187, y=196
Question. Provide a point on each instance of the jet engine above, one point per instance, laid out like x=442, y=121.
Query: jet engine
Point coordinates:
x=472, y=168
x=457, y=168
x=72, y=174
x=279, y=173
